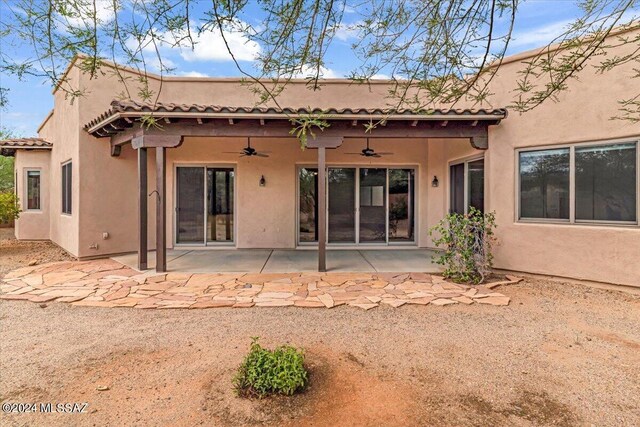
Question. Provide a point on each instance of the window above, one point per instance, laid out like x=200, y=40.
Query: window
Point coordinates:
x=606, y=183
x=580, y=183
x=33, y=190
x=66, y=188
x=544, y=184
x=467, y=186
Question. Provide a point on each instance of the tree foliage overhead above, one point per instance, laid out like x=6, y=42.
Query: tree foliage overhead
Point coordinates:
x=434, y=51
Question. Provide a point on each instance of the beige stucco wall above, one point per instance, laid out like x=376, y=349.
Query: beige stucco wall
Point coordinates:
x=33, y=224
x=266, y=216
x=582, y=114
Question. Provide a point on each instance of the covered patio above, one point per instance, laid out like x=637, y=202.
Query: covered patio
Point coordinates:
x=180, y=125
x=291, y=261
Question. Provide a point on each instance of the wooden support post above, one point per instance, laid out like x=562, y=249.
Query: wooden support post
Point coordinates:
x=161, y=210
x=322, y=210
x=142, y=209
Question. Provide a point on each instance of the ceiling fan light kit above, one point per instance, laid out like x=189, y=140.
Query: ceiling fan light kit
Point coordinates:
x=370, y=152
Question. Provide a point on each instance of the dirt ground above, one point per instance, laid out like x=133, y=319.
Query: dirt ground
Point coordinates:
x=559, y=354
x=15, y=254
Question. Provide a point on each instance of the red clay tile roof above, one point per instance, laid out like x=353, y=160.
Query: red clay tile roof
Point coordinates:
x=133, y=109
x=25, y=143
x=9, y=146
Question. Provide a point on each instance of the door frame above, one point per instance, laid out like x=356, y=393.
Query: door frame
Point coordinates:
x=205, y=243
x=357, y=244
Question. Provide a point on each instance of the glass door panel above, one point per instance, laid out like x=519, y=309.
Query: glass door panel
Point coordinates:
x=457, y=188
x=220, y=204
x=308, y=205
x=190, y=205
x=401, y=205
x=341, y=205
x=373, y=205
x=475, y=173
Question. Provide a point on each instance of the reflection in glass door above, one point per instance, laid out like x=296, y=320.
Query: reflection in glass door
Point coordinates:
x=204, y=205
x=220, y=204
x=341, y=205
x=308, y=205
x=364, y=205
x=401, y=204
x=373, y=205
x=190, y=205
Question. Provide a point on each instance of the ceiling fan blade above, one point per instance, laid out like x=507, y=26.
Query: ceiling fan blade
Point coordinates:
x=261, y=155
x=385, y=153
x=376, y=155
x=359, y=154
x=231, y=152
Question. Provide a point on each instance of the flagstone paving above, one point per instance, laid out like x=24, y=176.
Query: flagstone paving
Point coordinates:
x=107, y=283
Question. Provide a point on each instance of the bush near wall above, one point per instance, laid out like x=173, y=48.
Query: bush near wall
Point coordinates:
x=467, y=244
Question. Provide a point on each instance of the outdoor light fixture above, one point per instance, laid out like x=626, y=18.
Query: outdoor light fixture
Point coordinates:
x=435, y=181
x=263, y=181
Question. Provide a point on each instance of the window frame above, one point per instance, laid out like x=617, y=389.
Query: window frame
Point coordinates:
x=26, y=189
x=572, y=184
x=465, y=161
x=68, y=163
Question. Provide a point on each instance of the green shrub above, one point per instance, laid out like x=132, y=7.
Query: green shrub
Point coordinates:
x=265, y=372
x=466, y=241
x=9, y=207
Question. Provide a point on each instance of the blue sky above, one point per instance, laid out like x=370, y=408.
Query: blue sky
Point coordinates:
x=30, y=100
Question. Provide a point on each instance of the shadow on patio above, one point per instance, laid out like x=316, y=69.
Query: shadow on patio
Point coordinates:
x=291, y=260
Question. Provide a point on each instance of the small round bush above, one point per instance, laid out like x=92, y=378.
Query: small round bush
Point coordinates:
x=265, y=372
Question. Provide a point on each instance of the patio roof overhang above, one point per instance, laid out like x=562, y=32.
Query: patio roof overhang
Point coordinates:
x=124, y=122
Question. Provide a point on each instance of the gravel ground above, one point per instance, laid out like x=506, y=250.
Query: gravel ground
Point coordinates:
x=15, y=254
x=559, y=354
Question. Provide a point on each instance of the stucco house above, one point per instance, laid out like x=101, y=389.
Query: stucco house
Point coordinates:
x=563, y=179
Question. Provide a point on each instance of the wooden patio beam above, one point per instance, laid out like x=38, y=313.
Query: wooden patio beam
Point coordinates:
x=161, y=210
x=322, y=210
x=142, y=209
x=322, y=143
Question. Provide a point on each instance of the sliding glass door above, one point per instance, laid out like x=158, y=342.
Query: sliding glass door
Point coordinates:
x=364, y=205
x=341, y=205
x=190, y=205
x=204, y=205
x=373, y=205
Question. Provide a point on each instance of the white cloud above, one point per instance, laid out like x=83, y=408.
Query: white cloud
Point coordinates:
x=380, y=76
x=85, y=10
x=325, y=73
x=210, y=46
x=539, y=36
x=193, y=74
x=543, y=35
x=346, y=32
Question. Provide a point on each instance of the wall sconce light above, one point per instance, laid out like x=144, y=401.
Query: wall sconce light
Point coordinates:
x=435, y=181
x=263, y=181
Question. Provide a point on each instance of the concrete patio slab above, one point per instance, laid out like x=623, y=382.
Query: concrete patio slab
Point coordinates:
x=415, y=260
x=291, y=261
x=131, y=260
x=221, y=261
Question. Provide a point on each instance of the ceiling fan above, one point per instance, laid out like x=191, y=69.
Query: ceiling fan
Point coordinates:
x=370, y=152
x=249, y=151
